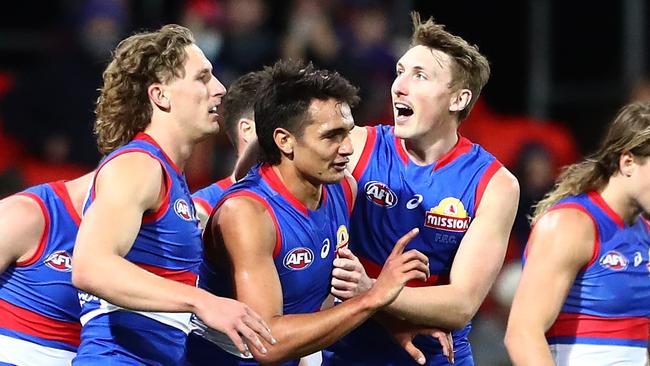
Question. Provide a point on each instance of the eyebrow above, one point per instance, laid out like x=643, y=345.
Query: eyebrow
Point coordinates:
x=416, y=68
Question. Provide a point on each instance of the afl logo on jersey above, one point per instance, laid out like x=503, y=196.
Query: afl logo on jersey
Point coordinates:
x=60, y=261
x=298, y=258
x=182, y=209
x=380, y=194
x=613, y=260
x=449, y=215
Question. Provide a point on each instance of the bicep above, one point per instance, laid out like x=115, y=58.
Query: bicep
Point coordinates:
x=22, y=224
x=255, y=279
x=481, y=252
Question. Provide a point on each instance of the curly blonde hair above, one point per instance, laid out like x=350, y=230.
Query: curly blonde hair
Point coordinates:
x=628, y=133
x=470, y=69
x=123, y=108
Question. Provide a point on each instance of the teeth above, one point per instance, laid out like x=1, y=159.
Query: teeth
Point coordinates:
x=401, y=106
x=213, y=110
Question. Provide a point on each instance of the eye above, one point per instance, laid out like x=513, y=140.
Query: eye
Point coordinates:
x=420, y=76
x=399, y=72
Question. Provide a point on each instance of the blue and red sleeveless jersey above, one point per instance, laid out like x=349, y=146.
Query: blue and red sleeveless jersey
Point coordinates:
x=608, y=304
x=168, y=245
x=208, y=197
x=306, y=242
x=39, y=309
x=394, y=196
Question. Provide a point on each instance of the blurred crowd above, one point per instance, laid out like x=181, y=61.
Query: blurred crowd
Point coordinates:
x=49, y=137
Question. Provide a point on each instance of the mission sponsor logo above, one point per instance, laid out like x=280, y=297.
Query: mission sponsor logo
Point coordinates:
x=380, y=194
x=613, y=260
x=182, y=209
x=298, y=258
x=449, y=215
x=60, y=261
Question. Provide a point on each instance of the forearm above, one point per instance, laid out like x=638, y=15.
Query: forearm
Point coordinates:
x=436, y=306
x=124, y=284
x=302, y=334
x=527, y=345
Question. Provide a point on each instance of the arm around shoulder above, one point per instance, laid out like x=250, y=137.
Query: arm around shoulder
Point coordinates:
x=560, y=245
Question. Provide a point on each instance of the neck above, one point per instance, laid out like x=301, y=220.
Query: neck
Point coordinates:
x=429, y=148
x=616, y=197
x=308, y=193
x=174, y=143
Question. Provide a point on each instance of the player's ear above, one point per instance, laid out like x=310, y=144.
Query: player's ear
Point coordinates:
x=157, y=96
x=284, y=140
x=246, y=129
x=460, y=100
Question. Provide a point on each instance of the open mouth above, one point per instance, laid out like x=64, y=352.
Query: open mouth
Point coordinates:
x=403, y=110
x=213, y=110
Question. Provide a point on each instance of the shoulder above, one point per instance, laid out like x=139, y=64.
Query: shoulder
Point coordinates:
x=565, y=232
x=23, y=210
x=502, y=191
x=135, y=175
x=22, y=224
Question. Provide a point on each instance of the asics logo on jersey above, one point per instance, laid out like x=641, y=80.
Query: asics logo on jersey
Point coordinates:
x=414, y=202
x=298, y=258
x=613, y=260
x=449, y=215
x=60, y=261
x=182, y=209
x=380, y=194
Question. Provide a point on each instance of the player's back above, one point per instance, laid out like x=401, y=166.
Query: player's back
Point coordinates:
x=39, y=307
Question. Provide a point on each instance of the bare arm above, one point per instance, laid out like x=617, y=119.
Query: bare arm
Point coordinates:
x=125, y=188
x=560, y=245
x=475, y=267
x=21, y=227
x=256, y=283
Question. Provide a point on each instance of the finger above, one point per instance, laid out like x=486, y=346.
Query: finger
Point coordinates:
x=238, y=342
x=346, y=264
x=259, y=327
x=251, y=336
x=342, y=294
x=444, y=341
x=250, y=312
x=344, y=275
x=451, y=348
x=402, y=242
x=414, y=352
x=346, y=253
x=343, y=285
x=418, y=266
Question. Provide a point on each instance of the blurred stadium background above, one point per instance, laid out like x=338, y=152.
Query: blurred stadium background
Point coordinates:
x=560, y=70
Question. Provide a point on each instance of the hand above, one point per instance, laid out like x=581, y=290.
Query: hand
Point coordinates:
x=236, y=320
x=404, y=336
x=349, y=278
x=400, y=268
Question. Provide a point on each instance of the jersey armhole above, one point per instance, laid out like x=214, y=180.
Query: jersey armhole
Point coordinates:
x=484, y=181
x=368, y=147
x=44, y=236
x=278, y=234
